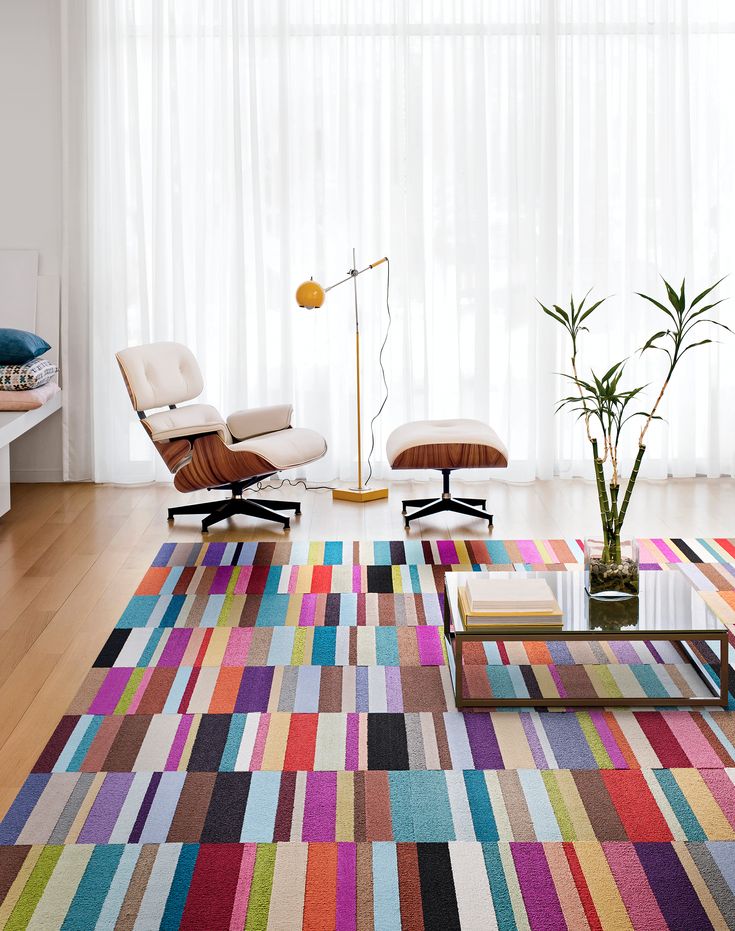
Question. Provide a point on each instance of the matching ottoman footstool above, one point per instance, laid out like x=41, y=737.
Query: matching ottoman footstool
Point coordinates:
x=446, y=445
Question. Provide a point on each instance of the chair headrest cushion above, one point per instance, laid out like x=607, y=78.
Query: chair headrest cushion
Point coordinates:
x=159, y=374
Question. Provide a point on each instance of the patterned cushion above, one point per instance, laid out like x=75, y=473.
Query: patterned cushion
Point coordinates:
x=30, y=375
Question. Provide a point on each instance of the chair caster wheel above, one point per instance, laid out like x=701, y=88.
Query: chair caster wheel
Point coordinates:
x=407, y=526
x=404, y=512
x=170, y=518
x=287, y=526
x=297, y=512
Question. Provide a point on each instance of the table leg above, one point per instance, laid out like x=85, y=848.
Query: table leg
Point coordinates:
x=724, y=671
x=458, y=686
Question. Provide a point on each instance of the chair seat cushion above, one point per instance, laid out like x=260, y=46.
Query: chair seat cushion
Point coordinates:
x=286, y=448
x=446, y=444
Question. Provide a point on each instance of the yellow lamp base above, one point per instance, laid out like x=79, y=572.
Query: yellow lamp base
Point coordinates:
x=359, y=495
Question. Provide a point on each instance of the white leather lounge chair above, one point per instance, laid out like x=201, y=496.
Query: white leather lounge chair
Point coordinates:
x=203, y=449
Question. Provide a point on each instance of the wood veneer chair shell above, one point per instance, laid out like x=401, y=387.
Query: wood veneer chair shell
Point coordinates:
x=213, y=463
x=450, y=456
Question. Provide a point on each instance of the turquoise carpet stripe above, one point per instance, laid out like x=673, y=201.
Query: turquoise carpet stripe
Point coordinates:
x=234, y=738
x=500, y=681
x=400, y=803
x=118, y=887
x=138, y=611
x=150, y=647
x=649, y=681
x=179, y=888
x=332, y=553
x=386, y=646
x=382, y=553
x=432, y=815
x=497, y=552
x=93, y=888
x=273, y=610
x=274, y=577
x=499, y=888
x=682, y=809
x=75, y=738
x=86, y=741
x=172, y=611
x=481, y=810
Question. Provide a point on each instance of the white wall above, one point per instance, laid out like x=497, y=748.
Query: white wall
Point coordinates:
x=30, y=177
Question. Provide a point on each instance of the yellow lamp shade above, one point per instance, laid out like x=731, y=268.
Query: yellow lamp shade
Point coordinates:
x=310, y=294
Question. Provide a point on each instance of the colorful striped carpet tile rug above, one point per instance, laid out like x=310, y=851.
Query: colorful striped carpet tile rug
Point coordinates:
x=268, y=740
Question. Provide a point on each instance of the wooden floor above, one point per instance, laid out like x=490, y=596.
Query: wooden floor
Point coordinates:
x=72, y=555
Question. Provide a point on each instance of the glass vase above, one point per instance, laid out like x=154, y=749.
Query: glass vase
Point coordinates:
x=612, y=571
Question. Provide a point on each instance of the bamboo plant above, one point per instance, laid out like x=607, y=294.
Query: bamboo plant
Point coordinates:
x=606, y=406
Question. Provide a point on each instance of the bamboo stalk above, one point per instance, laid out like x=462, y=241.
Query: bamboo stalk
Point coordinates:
x=602, y=498
x=614, y=534
x=629, y=489
x=581, y=394
x=650, y=417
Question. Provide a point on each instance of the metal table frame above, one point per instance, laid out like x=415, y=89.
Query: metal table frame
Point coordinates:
x=456, y=639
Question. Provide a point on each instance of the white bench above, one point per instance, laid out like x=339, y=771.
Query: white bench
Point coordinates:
x=28, y=301
x=12, y=425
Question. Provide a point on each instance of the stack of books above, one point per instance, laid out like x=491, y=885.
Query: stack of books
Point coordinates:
x=516, y=603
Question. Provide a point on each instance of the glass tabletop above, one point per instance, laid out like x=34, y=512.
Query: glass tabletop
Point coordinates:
x=667, y=602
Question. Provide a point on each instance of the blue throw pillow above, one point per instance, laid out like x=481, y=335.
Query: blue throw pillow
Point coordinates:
x=19, y=346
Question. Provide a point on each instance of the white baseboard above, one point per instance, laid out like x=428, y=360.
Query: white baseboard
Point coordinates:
x=36, y=475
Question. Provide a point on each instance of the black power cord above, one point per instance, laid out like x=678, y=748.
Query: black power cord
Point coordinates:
x=261, y=486
x=382, y=372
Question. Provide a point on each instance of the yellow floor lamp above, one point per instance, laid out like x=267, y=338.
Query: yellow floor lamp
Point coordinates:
x=311, y=295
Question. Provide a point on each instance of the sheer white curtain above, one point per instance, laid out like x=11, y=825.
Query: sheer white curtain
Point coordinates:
x=496, y=150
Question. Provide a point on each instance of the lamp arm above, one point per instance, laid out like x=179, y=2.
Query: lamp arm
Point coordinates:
x=355, y=272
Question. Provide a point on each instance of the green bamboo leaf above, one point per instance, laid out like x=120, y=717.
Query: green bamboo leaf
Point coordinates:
x=610, y=372
x=703, y=310
x=702, y=342
x=663, y=349
x=642, y=414
x=591, y=309
x=724, y=326
x=649, y=343
x=673, y=297
x=553, y=315
x=658, y=304
x=706, y=291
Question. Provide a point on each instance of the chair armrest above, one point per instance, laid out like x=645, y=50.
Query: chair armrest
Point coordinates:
x=186, y=421
x=244, y=424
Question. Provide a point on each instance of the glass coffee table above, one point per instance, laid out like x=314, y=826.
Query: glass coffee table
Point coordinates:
x=668, y=609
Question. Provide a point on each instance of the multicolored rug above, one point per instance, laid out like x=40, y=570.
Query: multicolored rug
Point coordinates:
x=268, y=740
